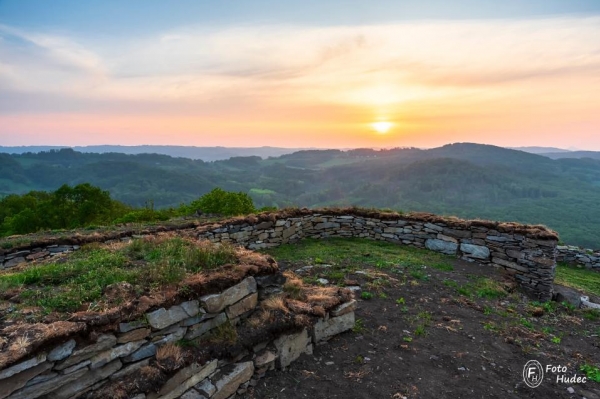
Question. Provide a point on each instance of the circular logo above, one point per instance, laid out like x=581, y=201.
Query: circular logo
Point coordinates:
x=533, y=374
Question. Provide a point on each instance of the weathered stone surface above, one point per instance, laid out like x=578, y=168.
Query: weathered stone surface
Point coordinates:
x=327, y=225
x=88, y=379
x=18, y=381
x=264, y=359
x=242, y=306
x=192, y=308
x=44, y=388
x=14, y=262
x=129, y=369
x=192, y=394
x=344, y=308
x=324, y=329
x=104, y=342
x=142, y=353
x=567, y=294
x=175, y=390
x=62, y=351
x=228, y=380
x=199, y=329
x=215, y=303
x=442, y=246
x=19, y=367
x=119, y=351
x=133, y=335
x=511, y=265
x=447, y=238
x=42, y=378
x=290, y=347
x=475, y=251
x=162, y=317
x=76, y=367
x=132, y=325
x=206, y=388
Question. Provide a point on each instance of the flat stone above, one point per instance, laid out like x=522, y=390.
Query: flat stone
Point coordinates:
x=129, y=369
x=197, y=319
x=18, y=381
x=42, y=378
x=133, y=335
x=243, y=306
x=182, y=387
x=87, y=380
x=327, y=225
x=76, y=367
x=215, y=303
x=104, y=342
x=192, y=394
x=229, y=380
x=62, y=352
x=270, y=280
x=173, y=337
x=290, y=347
x=19, y=367
x=344, y=308
x=566, y=294
x=510, y=265
x=142, y=353
x=475, y=251
x=198, y=329
x=192, y=308
x=132, y=325
x=119, y=351
x=264, y=359
x=206, y=388
x=324, y=329
x=162, y=317
x=44, y=388
x=14, y=262
x=442, y=246
x=447, y=238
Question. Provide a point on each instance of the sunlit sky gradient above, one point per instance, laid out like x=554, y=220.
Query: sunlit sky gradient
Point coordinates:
x=300, y=74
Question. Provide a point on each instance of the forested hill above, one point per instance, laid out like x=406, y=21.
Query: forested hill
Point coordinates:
x=467, y=180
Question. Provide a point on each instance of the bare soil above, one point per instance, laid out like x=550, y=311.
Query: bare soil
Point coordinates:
x=470, y=347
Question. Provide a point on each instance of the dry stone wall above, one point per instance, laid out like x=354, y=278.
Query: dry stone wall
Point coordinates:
x=73, y=370
x=526, y=252
x=588, y=258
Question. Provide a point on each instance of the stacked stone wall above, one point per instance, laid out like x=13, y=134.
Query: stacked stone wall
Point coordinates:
x=588, y=258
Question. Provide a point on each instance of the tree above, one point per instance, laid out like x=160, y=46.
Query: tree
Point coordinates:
x=222, y=202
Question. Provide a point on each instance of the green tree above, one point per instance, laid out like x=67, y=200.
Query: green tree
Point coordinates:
x=223, y=202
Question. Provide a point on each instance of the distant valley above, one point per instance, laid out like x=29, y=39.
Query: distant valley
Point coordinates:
x=466, y=180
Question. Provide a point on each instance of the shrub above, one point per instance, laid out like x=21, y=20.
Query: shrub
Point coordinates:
x=225, y=203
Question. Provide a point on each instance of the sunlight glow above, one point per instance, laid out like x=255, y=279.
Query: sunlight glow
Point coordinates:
x=382, y=127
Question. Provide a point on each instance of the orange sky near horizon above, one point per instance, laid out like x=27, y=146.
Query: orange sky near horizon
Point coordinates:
x=509, y=83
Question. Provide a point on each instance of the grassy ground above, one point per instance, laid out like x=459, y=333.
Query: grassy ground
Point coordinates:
x=80, y=279
x=582, y=279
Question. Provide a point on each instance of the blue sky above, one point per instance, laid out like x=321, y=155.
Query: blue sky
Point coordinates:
x=310, y=73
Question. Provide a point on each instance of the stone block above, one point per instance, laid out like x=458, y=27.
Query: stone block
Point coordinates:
x=108, y=356
x=19, y=367
x=290, y=347
x=344, y=308
x=172, y=391
x=442, y=246
x=46, y=387
x=215, y=303
x=18, y=381
x=325, y=329
x=198, y=329
x=242, y=306
x=475, y=251
x=162, y=317
x=86, y=380
x=228, y=380
x=133, y=335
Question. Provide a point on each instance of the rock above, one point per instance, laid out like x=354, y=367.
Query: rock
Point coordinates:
x=192, y=308
x=323, y=281
x=18, y=381
x=162, y=317
x=324, y=329
x=242, y=306
x=142, y=353
x=19, y=367
x=192, y=394
x=133, y=335
x=129, y=369
x=179, y=379
x=199, y=329
x=87, y=380
x=104, y=342
x=132, y=325
x=475, y=251
x=120, y=351
x=326, y=225
x=290, y=347
x=42, y=378
x=206, y=388
x=270, y=280
x=264, y=359
x=62, y=351
x=14, y=262
x=76, y=367
x=215, y=303
x=566, y=294
x=344, y=308
x=43, y=388
x=442, y=246
x=228, y=380
x=184, y=386
x=585, y=303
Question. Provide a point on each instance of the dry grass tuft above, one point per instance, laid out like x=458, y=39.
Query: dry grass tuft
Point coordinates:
x=276, y=302
x=169, y=357
x=261, y=319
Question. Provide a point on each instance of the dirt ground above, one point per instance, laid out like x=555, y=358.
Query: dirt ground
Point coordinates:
x=420, y=338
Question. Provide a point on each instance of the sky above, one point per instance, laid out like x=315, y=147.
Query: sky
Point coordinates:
x=325, y=74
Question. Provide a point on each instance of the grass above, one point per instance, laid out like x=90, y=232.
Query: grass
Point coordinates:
x=67, y=285
x=482, y=288
x=582, y=279
x=353, y=252
x=592, y=372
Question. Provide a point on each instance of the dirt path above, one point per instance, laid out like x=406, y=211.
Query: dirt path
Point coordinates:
x=432, y=338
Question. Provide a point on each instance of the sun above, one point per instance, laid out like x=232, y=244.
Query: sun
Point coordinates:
x=382, y=127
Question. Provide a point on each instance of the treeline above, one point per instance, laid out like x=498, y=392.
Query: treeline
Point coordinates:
x=85, y=205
